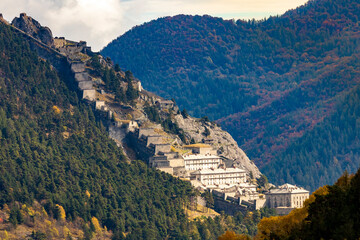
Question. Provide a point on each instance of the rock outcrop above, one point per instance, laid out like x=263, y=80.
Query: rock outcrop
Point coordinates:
x=222, y=141
x=34, y=29
x=2, y=19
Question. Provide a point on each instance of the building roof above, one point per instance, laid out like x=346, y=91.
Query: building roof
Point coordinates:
x=200, y=156
x=198, y=145
x=218, y=171
x=288, y=188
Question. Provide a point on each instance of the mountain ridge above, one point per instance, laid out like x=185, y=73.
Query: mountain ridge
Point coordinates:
x=258, y=78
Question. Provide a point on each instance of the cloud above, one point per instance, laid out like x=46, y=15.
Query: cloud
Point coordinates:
x=98, y=22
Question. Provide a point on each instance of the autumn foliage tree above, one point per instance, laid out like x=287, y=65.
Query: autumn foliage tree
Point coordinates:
x=331, y=212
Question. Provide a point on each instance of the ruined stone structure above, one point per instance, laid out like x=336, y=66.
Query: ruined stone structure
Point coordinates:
x=164, y=104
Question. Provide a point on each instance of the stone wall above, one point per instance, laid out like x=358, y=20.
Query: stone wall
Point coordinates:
x=100, y=105
x=177, y=162
x=146, y=132
x=86, y=85
x=83, y=76
x=89, y=94
x=164, y=148
x=139, y=146
x=168, y=170
x=78, y=67
x=157, y=139
x=228, y=207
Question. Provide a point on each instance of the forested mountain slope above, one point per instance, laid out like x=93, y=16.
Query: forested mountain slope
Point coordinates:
x=325, y=151
x=269, y=82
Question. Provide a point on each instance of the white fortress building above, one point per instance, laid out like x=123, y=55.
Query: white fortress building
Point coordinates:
x=195, y=162
x=286, y=197
x=202, y=157
x=219, y=176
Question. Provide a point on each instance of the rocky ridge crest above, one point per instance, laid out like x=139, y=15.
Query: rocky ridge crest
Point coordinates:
x=33, y=28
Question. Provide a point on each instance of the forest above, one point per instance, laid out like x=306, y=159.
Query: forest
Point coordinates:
x=267, y=82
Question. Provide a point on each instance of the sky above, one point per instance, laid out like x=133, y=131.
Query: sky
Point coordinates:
x=100, y=21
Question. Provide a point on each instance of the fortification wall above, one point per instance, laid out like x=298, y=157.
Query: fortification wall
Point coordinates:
x=99, y=104
x=139, y=147
x=177, y=162
x=86, y=85
x=89, y=94
x=78, y=67
x=146, y=132
x=162, y=148
x=83, y=76
x=228, y=207
x=158, y=139
x=117, y=133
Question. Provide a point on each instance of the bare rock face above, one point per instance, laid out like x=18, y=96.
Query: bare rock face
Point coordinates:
x=34, y=29
x=219, y=139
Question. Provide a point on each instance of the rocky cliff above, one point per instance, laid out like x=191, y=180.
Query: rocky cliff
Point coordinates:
x=34, y=29
x=210, y=133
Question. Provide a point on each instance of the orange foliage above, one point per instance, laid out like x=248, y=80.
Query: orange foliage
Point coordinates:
x=230, y=235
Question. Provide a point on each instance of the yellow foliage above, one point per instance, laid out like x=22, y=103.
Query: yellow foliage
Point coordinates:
x=6, y=208
x=320, y=191
x=48, y=223
x=6, y=235
x=281, y=226
x=54, y=232
x=56, y=109
x=87, y=193
x=23, y=207
x=43, y=211
x=31, y=212
x=230, y=235
x=62, y=214
x=66, y=231
x=96, y=224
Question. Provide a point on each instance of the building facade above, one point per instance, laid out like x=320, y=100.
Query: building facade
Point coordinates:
x=220, y=176
x=194, y=162
x=286, y=196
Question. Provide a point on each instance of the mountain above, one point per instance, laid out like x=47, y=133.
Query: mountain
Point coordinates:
x=268, y=82
x=66, y=169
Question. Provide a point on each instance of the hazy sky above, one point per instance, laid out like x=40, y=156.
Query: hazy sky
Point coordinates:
x=100, y=21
